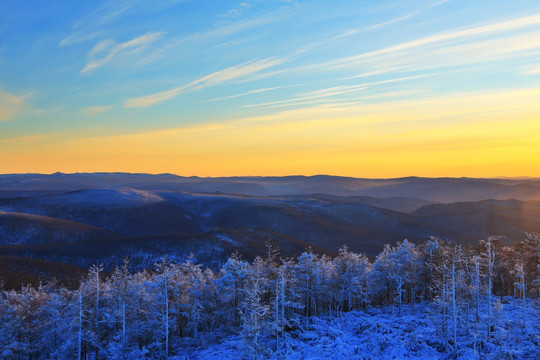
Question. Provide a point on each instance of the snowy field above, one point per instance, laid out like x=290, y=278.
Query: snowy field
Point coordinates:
x=312, y=307
x=383, y=334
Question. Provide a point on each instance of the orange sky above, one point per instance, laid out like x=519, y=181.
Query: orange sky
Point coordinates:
x=476, y=134
x=354, y=88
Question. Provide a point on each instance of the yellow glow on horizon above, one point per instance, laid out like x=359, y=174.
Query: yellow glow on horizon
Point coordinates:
x=477, y=134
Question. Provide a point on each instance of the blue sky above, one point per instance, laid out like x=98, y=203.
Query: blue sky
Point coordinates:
x=77, y=74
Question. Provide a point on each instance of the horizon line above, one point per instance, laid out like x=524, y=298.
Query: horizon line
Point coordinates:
x=523, y=177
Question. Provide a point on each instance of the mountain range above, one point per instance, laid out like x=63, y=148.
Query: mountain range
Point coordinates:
x=51, y=225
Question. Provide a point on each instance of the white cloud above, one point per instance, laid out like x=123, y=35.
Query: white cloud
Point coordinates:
x=355, y=31
x=79, y=37
x=216, y=78
x=112, y=51
x=100, y=47
x=329, y=94
x=451, y=56
x=479, y=44
x=10, y=104
x=232, y=27
x=237, y=11
x=444, y=37
x=88, y=28
x=533, y=69
x=251, y=92
x=95, y=110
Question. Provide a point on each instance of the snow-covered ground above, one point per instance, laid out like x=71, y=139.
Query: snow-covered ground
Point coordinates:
x=384, y=334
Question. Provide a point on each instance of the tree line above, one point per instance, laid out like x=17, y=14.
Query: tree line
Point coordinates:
x=160, y=312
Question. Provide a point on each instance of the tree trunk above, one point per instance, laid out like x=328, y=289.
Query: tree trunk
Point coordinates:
x=454, y=303
x=80, y=324
x=166, y=289
x=124, y=321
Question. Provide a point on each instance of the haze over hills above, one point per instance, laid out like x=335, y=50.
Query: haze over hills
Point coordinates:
x=432, y=189
x=81, y=219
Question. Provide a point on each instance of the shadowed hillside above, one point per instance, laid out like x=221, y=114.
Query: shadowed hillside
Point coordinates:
x=93, y=225
x=432, y=189
x=18, y=228
x=125, y=211
x=471, y=221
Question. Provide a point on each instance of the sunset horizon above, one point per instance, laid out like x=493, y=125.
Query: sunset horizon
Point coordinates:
x=252, y=176
x=428, y=88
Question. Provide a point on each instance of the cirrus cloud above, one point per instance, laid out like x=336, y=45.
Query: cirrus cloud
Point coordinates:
x=112, y=51
x=10, y=104
x=95, y=110
x=215, y=78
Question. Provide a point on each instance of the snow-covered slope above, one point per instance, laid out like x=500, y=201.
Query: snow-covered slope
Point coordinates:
x=380, y=333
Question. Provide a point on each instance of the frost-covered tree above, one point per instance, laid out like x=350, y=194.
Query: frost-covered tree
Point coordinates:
x=196, y=295
x=396, y=270
x=120, y=299
x=269, y=305
x=254, y=312
x=60, y=316
x=519, y=271
x=9, y=326
x=430, y=248
x=91, y=290
x=231, y=287
x=489, y=258
x=309, y=275
x=351, y=272
x=529, y=256
x=165, y=292
x=27, y=305
x=380, y=282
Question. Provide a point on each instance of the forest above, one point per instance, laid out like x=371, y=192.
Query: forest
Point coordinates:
x=449, y=301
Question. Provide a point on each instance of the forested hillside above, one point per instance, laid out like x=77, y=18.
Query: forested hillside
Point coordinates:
x=93, y=226
x=432, y=300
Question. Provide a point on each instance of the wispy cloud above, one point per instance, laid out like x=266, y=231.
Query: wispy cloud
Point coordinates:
x=329, y=94
x=247, y=93
x=351, y=32
x=442, y=38
x=356, y=31
x=452, y=126
x=10, y=104
x=479, y=44
x=237, y=11
x=79, y=37
x=95, y=110
x=451, y=56
x=318, y=96
x=100, y=47
x=218, y=77
x=334, y=63
x=233, y=27
x=533, y=69
x=89, y=27
x=111, y=51
x=452, y=108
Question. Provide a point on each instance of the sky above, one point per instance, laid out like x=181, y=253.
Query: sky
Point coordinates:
x=359, y=88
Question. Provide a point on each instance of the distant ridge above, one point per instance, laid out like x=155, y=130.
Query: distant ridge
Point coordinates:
x=58, y=221
x=443, y=189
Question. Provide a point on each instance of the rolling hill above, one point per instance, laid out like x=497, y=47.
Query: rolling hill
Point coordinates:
x=432, y=189
x=69, y=219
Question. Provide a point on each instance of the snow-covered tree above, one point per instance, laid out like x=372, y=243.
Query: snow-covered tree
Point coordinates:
x=308, y=273
x=489, y=258
x=396, y=271
x=254, y=313
x=351, y=271
x=231, y=284
x=269, y=305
